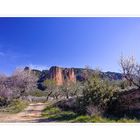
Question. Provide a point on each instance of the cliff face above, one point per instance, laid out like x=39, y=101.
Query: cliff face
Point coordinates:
x=69, y=75
x=64, y=75
x=57, y=75
x=61, y=75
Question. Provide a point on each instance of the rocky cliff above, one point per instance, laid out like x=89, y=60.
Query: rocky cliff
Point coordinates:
x=63, y=75
x=69, y=75
x=56, y=74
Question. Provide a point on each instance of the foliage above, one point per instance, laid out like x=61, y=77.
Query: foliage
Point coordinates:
x=121, y=84
x=19, y=84
x=5, y=91
x=98, y=92
x=53, y=113
x=24, y=81
x=71, y=104
x=71, y=89
x=37, y=93
x=56, y=114
x=15, y=106
x=50, y=111
x=66, y=89
x=52, y=90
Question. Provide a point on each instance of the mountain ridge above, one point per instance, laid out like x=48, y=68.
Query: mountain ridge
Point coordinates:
x=62, y=75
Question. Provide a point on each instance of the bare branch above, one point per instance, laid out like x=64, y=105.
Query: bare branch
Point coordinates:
x=131, y=70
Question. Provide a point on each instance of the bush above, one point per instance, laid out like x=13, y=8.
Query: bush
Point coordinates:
x=93, y=110
x=98, y=92
x=126, y=104
x=72, y=104
x=16, y=106
x=37, y=93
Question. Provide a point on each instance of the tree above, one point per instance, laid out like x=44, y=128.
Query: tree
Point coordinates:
x=6, y=94
x=121, y=84
x=71, y=89
x=24, y=81
x=17, y=85
x=87, y=72
x=76, y=89
x=65, y=88
x=131, y=70
x=51, y=88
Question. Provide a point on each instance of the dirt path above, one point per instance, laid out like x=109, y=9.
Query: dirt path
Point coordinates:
x=31, y=114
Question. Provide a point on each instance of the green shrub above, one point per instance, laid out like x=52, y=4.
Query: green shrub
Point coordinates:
x=16, y=106
x=50, y=111
x=81, y=119
x=37, y=93
x=98, y=92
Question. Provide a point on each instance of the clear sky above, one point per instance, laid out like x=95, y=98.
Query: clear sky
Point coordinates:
x=67, y=42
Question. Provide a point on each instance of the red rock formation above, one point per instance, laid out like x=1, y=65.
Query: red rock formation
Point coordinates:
x=70, y=75
x=61, y=75
x=56, y=75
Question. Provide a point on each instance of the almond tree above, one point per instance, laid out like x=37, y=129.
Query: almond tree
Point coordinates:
x=17, y=85
x=71, y=89
x=131, y=70
x=24, y=81
x=6, y=93
x=51, y=88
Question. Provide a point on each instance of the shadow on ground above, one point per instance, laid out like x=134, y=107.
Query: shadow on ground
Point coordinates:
x=58, y=118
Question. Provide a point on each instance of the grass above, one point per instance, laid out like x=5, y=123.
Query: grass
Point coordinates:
x=55, y=114
x=125, y=120
x=81, y=119
x=15, y=106
x=100, y=119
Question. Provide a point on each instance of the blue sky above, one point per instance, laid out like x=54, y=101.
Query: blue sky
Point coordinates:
x=67, y=42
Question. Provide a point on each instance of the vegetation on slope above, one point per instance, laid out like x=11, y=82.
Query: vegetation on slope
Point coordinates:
x=96, y=99
x=55, y=114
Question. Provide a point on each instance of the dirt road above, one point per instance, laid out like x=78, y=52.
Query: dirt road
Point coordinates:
x=31, y=114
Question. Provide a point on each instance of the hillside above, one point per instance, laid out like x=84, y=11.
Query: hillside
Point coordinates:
x=60, y=75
